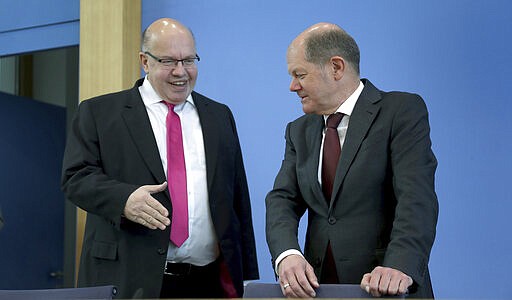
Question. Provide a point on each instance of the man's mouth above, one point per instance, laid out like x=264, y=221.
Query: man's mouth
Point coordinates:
x=179, y=83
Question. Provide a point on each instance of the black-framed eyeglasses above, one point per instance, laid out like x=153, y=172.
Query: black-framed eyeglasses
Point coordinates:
x=170, y=62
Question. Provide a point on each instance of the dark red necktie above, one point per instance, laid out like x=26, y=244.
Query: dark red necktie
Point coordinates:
x=176, y=177
x=331, y=154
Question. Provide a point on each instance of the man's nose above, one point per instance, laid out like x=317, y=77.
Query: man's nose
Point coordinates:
x=179, y=69
x=294, y=85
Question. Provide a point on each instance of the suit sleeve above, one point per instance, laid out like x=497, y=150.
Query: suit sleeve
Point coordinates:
x=284, y=204
x=413, y=166
x=243, y=208
x=83, y=179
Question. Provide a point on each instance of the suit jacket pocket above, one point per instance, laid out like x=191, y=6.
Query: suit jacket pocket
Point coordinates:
x=104, y=250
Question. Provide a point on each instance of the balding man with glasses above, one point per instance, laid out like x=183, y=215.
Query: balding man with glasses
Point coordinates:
x=160, y=172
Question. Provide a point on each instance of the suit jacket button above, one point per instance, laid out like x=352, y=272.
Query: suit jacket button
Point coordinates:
x=161, y=251
x=332, y=220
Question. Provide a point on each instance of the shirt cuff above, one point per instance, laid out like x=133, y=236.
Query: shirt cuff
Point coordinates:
x=282, y=256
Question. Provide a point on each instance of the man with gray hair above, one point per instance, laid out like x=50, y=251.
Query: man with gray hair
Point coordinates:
x=360, y=163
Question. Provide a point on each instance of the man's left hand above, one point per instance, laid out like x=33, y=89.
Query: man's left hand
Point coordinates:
x=386, y=281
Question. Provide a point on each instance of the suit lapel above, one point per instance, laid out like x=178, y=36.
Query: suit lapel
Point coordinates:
x=211, y=137
x=137, y=122
x=361, y=120
x=313, y=136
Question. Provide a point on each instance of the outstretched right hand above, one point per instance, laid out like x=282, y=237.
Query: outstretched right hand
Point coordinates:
x=142, y=208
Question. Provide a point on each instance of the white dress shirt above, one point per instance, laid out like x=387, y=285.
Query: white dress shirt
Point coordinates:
x=346, y=108
x=201, y=247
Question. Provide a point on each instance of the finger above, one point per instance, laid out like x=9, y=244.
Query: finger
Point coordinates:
x=393, y=286
x=154, y=218
x=144, y=222
x=151, y=189
x=154, y=223
x=374, y=283
x=160, y=221
x=310, y=274
x=365, y=282
x=301, y=286
x=286, y=288
x=138, y=201
x=292, y=271
x=308, y=281
x=293, y=288
x=384, y=282
x=404, y=285
x=289, y=293
x=157, y=210
x=156, y=188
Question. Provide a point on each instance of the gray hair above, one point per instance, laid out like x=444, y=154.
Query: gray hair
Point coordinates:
x=145, y=41
x=321, y=46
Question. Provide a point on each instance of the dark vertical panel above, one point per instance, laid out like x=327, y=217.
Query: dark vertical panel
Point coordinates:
x=32, y=138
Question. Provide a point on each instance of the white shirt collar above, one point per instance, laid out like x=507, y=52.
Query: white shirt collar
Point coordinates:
x=347, y=107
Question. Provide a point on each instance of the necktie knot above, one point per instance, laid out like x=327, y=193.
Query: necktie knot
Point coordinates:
x=334, y=120
x=169, y=105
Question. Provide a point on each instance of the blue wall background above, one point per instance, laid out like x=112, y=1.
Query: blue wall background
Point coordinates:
x=33, y=25
x=456, y=54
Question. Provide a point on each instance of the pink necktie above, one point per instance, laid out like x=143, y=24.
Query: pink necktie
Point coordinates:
x=176, y=177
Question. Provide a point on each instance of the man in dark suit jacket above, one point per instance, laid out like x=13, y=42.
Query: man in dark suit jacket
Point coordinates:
x=115, y=169
x=378, y=226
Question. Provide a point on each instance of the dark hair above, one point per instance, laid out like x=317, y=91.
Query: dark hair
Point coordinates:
x=321, y=46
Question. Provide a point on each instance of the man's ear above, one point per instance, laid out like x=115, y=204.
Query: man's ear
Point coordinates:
x=338, y=65
x=144, y=61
